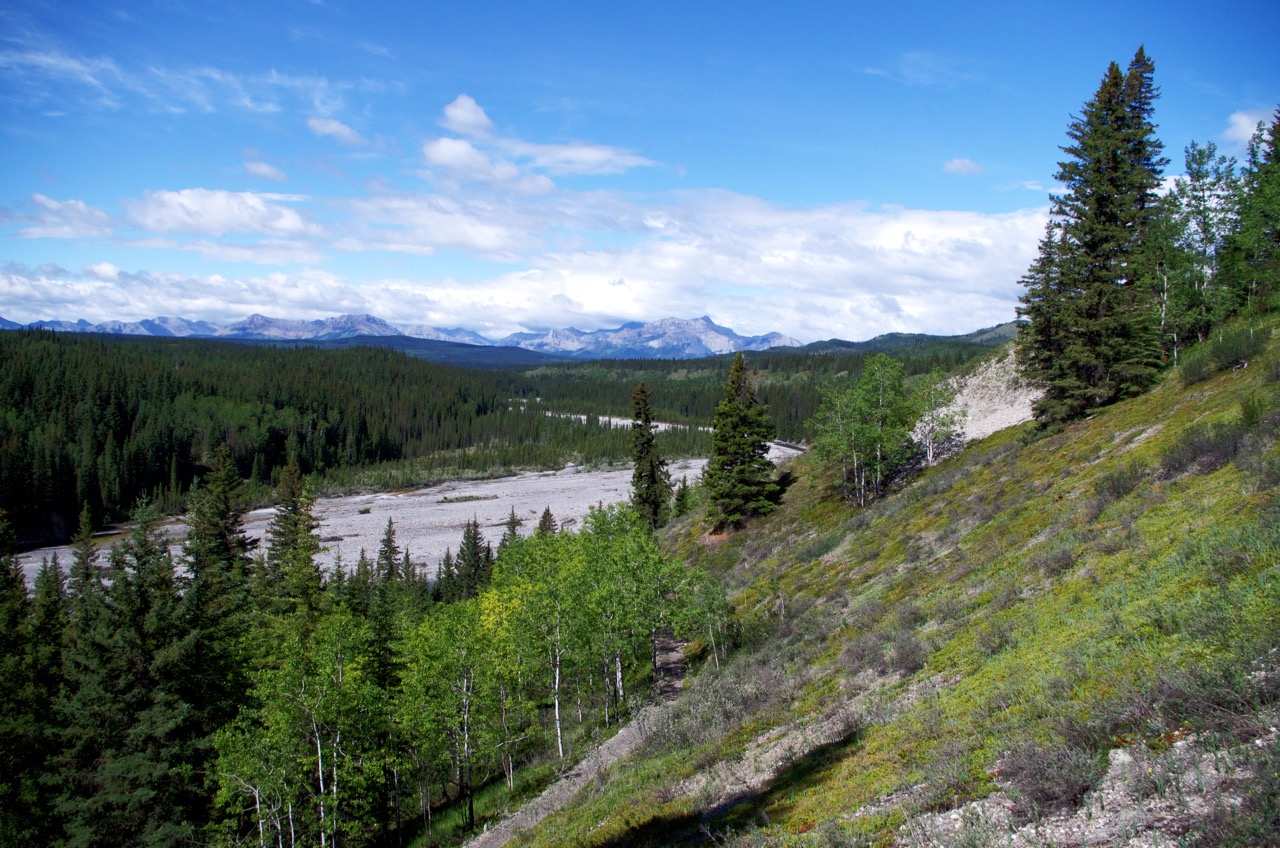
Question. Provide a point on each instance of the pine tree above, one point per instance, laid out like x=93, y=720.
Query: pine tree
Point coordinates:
x=474, y=562
x=388, y=555
x=547, y=525
x=130, y=763
x=291, y=581
x=510, y=532
x=1093, y=331
x=19, y=813
x=650, y=481
x=216, y=603
x=738, y=476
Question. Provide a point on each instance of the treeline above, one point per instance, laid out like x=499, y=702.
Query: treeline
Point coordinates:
x=233, y=696
x=1128, y=275
x=104, y=421
x=788, y=383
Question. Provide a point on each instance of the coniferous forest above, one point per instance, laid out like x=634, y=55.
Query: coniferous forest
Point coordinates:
x=235, y=694
x=232, y=693
x=103, y=421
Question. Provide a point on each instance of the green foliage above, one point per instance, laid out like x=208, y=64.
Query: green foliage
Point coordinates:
x=650, y=480
x=738, y=476
x=1092, y=331
x=866, y=430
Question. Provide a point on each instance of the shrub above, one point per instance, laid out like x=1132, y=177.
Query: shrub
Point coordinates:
x=1232, y=347
x=907, y=654
x=866, y=650
x=1055, y=556
x=1047, y=779
x=1119, y=482
x=1203, y=447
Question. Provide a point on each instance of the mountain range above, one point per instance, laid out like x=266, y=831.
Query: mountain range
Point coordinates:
x=668, y=338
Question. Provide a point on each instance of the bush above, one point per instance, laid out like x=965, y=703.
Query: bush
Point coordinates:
x=1231, y=348
x=907, y=655
x=1203, y=447
x=1056, y=556
x=1047, y=779
x=1114, y=485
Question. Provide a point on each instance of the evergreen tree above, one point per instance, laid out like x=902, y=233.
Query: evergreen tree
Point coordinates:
x=446, y=589
x=547, y=523
x=388, y=555
x=681, y=502
x=291, y=579
x=1092, y=336
x=650, y=481
x=131, y=743
x=510, y=532
x=19, y=725
x=739, y=476
x=216, y=603
x=474, y=562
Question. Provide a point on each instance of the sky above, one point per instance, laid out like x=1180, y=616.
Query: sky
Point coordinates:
x=823, y=170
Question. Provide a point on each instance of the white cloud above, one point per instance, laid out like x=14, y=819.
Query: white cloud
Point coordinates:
x=460, y=159
x=64, y=219
x=103, y=270
x=572, y=159
x=265, y=170
x=212, y=212
x=961, y=166
x=1242, y=125
x=336, y=129
x=465, y=117
x=421, y=224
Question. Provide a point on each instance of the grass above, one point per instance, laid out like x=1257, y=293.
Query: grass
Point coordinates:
x=1001, y=623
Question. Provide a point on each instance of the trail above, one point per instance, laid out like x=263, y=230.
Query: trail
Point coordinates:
x=671, y=672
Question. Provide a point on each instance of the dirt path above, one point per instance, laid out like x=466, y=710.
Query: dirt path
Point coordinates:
x=670, y=681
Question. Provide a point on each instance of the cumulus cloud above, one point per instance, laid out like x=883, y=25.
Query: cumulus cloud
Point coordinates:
x=212, y=212
x=465, y=117
x=103, y=270
x=459, y=159
x=421, y=224
x=961, y=166
x=512, y=162
x=335, y=129
x=30, y=294
x=265, y=170
x=64, y=219
x=1242, y=125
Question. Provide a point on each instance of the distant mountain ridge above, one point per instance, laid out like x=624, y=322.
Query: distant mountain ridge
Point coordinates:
x=667, y=338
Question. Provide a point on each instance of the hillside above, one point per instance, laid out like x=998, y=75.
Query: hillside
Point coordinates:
x=1063, y=640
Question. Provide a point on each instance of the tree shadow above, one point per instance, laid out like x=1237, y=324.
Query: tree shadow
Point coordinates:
x=739, y=811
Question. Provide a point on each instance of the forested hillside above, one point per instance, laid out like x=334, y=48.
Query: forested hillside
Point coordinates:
x=101, y=420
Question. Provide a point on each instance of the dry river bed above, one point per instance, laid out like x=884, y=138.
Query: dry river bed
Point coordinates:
x=428, y=521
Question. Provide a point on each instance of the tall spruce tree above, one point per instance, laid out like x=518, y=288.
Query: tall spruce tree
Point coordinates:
x=1093, y=331
x=738, y=476
x=650, y=481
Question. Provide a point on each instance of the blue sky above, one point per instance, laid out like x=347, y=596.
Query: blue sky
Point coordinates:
x=819, y=169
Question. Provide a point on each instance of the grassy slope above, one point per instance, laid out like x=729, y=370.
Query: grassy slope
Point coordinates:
x=1025, y=602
